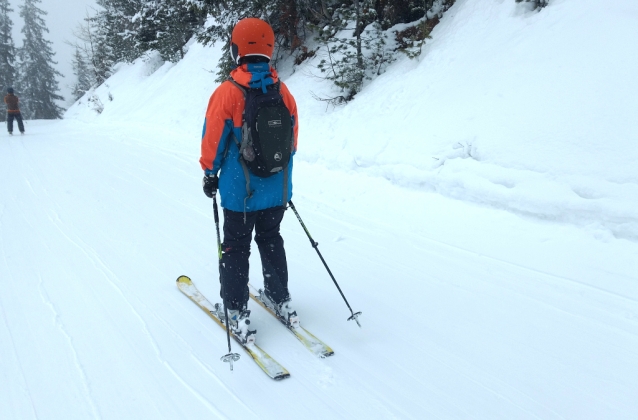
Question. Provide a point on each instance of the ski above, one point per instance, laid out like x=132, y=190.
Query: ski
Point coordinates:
x=269, y=365
x=312, y=343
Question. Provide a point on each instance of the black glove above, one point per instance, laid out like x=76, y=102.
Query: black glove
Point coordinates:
x=210, y=183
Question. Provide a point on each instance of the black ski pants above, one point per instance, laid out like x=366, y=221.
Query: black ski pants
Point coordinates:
x=18, y=118
x=236, y=251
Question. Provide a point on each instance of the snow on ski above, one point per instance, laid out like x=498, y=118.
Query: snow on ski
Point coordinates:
x=312, y=343
x=269, y=365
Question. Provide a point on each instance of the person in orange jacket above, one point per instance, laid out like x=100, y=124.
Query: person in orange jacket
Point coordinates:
x=249, y=202
x=13, y=111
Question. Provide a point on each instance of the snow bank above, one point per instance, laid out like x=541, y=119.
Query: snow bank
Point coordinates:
x=158, y=95
x=524, y=111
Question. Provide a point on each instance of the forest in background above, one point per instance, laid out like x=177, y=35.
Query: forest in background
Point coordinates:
x=357, y=35
x=358, y=39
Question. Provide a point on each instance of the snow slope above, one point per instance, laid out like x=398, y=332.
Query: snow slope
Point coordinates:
x=535, y=107
x=491, y=286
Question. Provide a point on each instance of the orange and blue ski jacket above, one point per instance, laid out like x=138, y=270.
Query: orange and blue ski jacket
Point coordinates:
x=224, y=118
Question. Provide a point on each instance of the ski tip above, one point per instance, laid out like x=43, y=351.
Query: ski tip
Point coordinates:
x=184, y=280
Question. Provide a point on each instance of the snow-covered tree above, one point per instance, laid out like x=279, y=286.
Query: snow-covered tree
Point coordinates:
x=37, y=82
x=225, y=15
x=353, y=34
x=290, y=20
x=117, y=27
x=93, y=49
x=7, y=50
x=82, y=73
x=167, y=25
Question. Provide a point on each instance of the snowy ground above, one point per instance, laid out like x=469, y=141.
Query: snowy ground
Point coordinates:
x=478, y=301
x=468, y=312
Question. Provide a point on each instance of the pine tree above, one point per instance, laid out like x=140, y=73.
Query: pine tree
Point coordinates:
x=350, y=59
x=118, y=25
x=167, y=25
x=288, y=18
x=225, y=15
x=37, y=83
x=7, y=50
x=81, y=71
x=94, y=49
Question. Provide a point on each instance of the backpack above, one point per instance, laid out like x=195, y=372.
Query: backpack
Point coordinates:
x=267, y=132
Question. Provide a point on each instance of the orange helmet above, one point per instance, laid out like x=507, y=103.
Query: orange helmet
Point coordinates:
x=251, y=36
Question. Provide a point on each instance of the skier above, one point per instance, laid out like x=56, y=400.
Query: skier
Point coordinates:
x=249, y=202
x=13, y=111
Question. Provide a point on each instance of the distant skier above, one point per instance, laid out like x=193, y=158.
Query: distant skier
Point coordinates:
x=13, y=111
x=252, y=197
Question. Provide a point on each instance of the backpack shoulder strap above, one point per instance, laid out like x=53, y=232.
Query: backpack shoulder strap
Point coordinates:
x=241, y=145
x=243, y=91
x=240, y=87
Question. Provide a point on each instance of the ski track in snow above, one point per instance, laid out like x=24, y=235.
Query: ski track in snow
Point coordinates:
x=576, y=287
x=78, y=364
x=16, y=353
x=40, y=194
x=462, y=368
x=116, y=284
x=539, y=280
x=56, y=319
x=566, y=299
x=610, y=299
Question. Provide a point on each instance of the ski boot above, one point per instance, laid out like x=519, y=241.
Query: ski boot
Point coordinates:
x=284, y=310
x=238, y=320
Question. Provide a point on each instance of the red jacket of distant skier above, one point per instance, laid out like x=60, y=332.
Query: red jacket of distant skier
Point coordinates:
x=12, y=103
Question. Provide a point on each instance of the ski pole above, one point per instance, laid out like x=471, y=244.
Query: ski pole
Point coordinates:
x=315, y=245
x=230, y=357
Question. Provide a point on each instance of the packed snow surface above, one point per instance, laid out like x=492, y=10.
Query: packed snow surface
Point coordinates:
x=479, y=205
